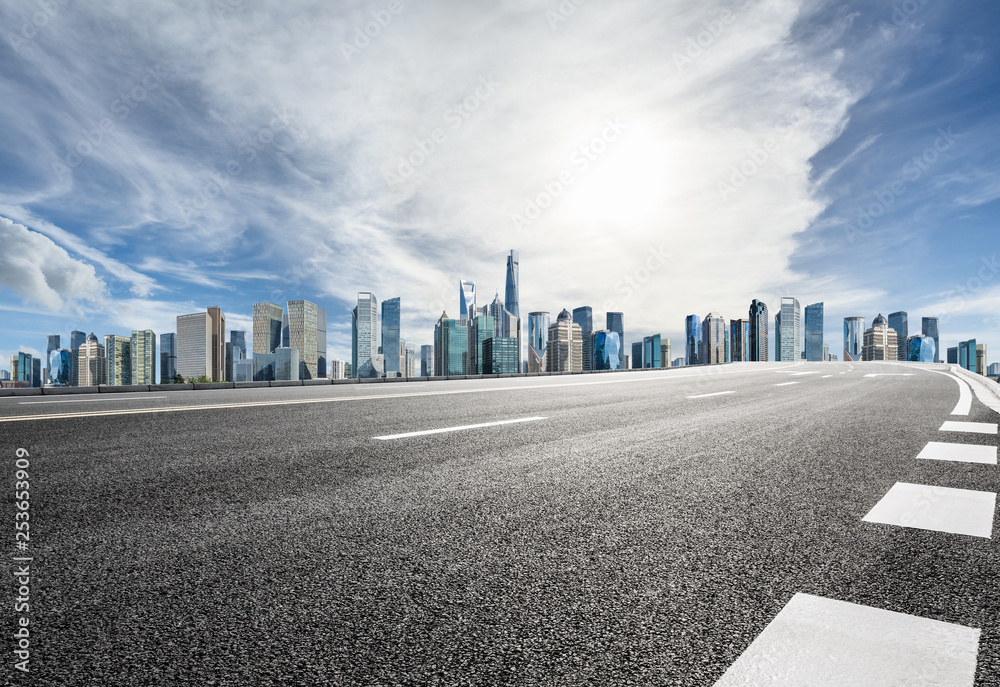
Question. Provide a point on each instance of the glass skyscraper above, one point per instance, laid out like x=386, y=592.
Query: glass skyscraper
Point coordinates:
x=759, y=332
x=511, y=296
x=739, y=340
x=451, y=347
x=500, y=356
x=854, y=338
x=814, y=332
x=636, y=362
x=693, y=335
x=538, y=340
x=921, y=349
x=392, y=352
x=789, y=334
x=168, y=358
x=427, y=361
x=967, y=355
x=76, y=340
x=607, y=350
x=364, y=336
x=467, y=300
x=615, y=322
x=898, y=321
x=929, y=327
x=652, y=351
x=143, y=357
x=118, y=353
x=584, y=316
x=58, y=367
x=267, y=321
x=713, y=344
x=481, y=328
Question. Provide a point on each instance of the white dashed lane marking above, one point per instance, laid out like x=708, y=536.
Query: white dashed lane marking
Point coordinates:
x=959, y=453
x=458, y=429
x=786, y=383
x=824, y=642
x=939, y=509
x=970, y=427
x=717, y=393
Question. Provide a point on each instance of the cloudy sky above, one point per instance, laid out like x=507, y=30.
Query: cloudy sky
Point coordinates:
x=657, y=157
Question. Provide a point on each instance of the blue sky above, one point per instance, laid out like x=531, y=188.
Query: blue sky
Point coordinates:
x=160, y=158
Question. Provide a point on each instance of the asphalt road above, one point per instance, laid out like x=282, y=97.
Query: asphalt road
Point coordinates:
x=632, y=536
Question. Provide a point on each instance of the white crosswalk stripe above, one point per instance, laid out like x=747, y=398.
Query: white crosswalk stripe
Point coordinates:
x=960, y=453
x=938, y=509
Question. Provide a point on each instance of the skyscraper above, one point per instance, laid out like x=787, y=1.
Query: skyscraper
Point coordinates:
x=607, y=350
x=143, y=356
x=118, y=354
x=790, y=330
x=467, y=299
x=981, y=362
x=267, y=320
x=52, y=345
x=236, y=350
x=635, y=360
x=426, y=361
x=500, y=356
x=168, y=358
x=91, y=367
x=615, y=322
x=967, y=357
x=693, y=337
x=665, y=353
x=898, y=322
x=759, y=334
x=854, y=332
x=392, y=352
x=60, y=362
x=481, y=328
x=201, y=345
x=739, y=340
x=713, y=344
x=814, y=332
x=921, y=349
x=451, y=347
x=364, y=336
x=301, y=331
x=652, y=352
x=76, y=339
x=538, y=340
x=880, y=342
x=511, y=296
x=584, y=316
x=564, y=349
x=929, y=327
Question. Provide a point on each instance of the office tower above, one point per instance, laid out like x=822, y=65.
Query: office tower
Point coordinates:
x=287, y=364
x=584, y=316
x=665, y=353
x=899, y=322
x=301, y=330
x=168, y=358
x=322, y=364
x=58, y=368
x=76, y=339
x=267, y=320
x=980, y=359
x=242, y=369
x=880, y=342
x=338, y=369
x=789, y=330
x=967, y=357
x=512, y=296
x=635, y=360
x=993, y=370
x=364, y=336
x=627, y=362
x=15, y=365
x=91, y=367
x=693, y=337
x=739, y=340
x=143, y=350
x=538, y=340
x=953, y=356
x=4, y=376
x=678, y=362
x=929, y=327
x=759, y=332
x=426, y=361
x=392, y=350
x=236, y=350
x=854, y=332
x=481, y=328
x=466, y=300
x=201, y=345
x=826, y=352
x=411, y=362
x=52, y=345
x=607, y=350
x=713, y=340
x=451, y=344
x=652, y=350
x=921, y=349
x=500, y=356
x=564, y=350
x=814, y=333
x=615, y=322
x=36, y=372
x=118, y=354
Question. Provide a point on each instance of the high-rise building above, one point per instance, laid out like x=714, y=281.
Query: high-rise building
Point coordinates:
x=564, y=350
x=538, y=340
x=511, y=295
x=854, y=334
x=899, y=322
x=303, y=331
x=201, y=345
x=467, y=300
x=652, y=352
x=364, y=336
x=52, y=345
x=953, y=355
x=168, y=358
x=635, y=359
x=607, y=350
x=921, y=349
x=678, y=362
x=665, y=353
x=615, y=322
x=500, y=356
x=759, y=334
x=36, y=372
x=242, y=369
x=392, y=350
x=880, y=342
x=981, y=361
x=739, y=340
x=584, y=316
x=967, y=357
x=58, y=369
x=814, y=333
x=411, y=362
x=694, y=333
x=91, y=367
x=118, y=354
x=713, y=340
x=142, y=347
x=236, y=350
x=76, y=339
x=451, y=344
x=338, y=369
x=789, y=330
x=426, y=361
x=929, y=327
x=481, y=328
x=267, y=321
x=993, y=370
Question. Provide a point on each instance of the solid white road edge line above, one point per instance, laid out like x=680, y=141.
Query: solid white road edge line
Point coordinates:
x=457, y=429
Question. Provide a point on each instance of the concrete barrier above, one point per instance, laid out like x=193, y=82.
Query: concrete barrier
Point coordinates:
x=63, y=390
x=214, y=385
x=122, y=389
x=316, y=382
x=171, y=387
x=252, y=385
x=287, y=382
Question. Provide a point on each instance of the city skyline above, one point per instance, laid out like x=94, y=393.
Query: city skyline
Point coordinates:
x=846, y=200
